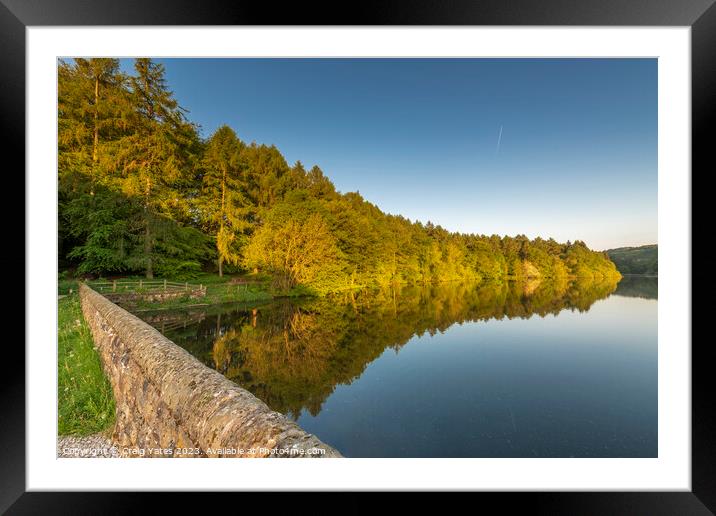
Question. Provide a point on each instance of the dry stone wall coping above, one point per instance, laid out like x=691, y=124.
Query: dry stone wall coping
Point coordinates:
x=171, y=405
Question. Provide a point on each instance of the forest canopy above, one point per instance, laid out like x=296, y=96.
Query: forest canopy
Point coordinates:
x=636, y=260
x=141, y=192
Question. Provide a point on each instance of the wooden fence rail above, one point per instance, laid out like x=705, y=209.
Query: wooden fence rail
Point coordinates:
x=142, y=285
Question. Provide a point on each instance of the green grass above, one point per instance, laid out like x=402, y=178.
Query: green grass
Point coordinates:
x=84, y=398
x=221, y=290
x=64, y=285
x=218, y=290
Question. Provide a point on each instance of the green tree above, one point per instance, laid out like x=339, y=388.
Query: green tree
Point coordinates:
x=156, y=156
x=93, y=103
x=139, y=191
x=319, y=185
x=296, y=250
x=264, y=174
x=92, y=112
x=223, y=203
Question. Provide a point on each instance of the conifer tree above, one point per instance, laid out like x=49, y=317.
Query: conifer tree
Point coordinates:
x=223, y=204
x=139, y=191
x=155, y=157
x=93, y=104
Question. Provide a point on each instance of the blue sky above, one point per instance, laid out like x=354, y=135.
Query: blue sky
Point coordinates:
x=576, y=157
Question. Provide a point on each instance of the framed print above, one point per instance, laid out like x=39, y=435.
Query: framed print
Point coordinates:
x=421, y=244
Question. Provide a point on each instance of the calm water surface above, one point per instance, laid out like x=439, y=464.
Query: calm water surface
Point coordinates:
x=453, y=370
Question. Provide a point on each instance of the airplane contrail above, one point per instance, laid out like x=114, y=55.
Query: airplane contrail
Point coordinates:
x=499, y=140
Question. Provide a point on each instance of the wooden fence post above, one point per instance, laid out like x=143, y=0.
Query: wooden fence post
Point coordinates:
x=140, y=283
x=114, y=285
x=165, y=285
x=186, y=286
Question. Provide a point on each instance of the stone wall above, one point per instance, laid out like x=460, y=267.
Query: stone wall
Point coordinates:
x=131, y=298
x=171, y=405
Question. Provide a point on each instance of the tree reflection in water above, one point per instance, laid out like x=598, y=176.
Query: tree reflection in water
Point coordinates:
x=293, y=353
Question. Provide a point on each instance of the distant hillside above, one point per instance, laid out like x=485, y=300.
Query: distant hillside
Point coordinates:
x=636, y=260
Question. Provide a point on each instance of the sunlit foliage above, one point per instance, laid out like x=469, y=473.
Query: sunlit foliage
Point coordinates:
x=140, y=191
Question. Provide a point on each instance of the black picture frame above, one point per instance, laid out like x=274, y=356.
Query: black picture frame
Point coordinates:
x=700, y=15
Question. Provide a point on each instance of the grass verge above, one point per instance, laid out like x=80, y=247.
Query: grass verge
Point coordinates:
x=85, y=404
x=231, y=288
x=225, y=290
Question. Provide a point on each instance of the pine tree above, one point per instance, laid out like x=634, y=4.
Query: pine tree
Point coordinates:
x=93, y=106
x=222, y=201
x=155, y=157
x=139, y=191
x=92, y=113
x=265, y=174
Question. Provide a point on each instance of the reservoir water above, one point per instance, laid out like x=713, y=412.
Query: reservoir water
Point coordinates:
x=449, y=370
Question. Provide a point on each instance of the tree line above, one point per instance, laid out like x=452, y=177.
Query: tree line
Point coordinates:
x=636, y=260
x=140, y=191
